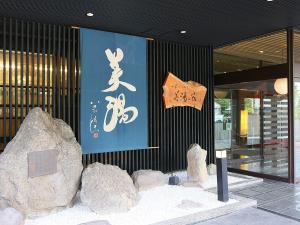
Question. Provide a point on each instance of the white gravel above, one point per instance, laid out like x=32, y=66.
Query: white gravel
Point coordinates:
x=155, y=205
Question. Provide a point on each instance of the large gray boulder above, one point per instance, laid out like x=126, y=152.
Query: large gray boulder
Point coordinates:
x=146, y=179
x=10, y=216
x=40, y=168
x=107, y=189
x=196, y=170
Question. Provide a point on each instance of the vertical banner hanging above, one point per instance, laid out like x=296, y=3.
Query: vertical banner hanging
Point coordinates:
x=113, y=92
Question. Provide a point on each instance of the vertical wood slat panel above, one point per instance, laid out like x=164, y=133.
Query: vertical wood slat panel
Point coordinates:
x=62, y=80
x=53, y=74
x=10, y=79
x=172, y=130
x=32, y=63
x=48, y=70
x=69, y=78
x=58, y=72
x=78, y=85
x=22, y=90
x=31, y=54
x=4, y=83
x=73, y=80
x=27, y=67
x=37, y=67
x=16, y=115
x=43, y=67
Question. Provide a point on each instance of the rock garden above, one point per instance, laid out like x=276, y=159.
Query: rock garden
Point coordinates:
x=43, y=182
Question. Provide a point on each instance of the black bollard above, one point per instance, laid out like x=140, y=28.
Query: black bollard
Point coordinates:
x=222, y=177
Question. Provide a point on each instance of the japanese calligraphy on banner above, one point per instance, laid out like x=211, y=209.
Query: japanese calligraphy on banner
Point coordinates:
x=180, y=93
x=113, y=92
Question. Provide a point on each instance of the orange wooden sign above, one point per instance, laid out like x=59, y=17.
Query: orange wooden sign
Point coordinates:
x=180, y=93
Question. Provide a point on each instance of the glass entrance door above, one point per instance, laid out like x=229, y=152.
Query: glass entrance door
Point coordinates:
x=251, y=122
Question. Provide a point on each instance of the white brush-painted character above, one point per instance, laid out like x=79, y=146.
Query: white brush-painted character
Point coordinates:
x=116, y=107
x=114, y=81
x=93, y=120
x=93, y=124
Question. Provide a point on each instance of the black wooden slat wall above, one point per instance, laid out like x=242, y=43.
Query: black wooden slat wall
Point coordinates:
x=172, y=130
x=39, y=67
x=50, y=79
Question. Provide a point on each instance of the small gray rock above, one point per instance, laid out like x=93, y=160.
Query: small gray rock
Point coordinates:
x=98, y=222
x=174, y=180
x=107, y=189
x=212, y=169
x=10, y=216
x=146, y=179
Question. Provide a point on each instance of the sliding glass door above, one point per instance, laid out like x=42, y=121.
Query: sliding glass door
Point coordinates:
x=251, y=122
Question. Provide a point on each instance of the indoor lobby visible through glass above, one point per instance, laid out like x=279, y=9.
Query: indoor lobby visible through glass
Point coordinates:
x=251, y=122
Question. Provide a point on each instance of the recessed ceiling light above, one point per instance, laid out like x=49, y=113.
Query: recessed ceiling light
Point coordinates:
x=261, y=51
x=90, y=14
x=75, y=27
x=270, y=0
x=183, y=31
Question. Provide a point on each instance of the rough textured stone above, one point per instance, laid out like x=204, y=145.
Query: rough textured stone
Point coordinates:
x=10, y=216
x=146, y=179
x=47, y=193
x=107, y=189
x=212, y=169
x=196, y=171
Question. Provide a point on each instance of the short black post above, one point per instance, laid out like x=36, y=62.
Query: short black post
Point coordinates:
x=222, y=178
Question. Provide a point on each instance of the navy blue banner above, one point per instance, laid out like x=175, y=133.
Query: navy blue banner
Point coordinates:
x=113, y=92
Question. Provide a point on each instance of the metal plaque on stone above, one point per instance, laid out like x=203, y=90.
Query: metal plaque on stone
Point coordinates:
x=42, y=163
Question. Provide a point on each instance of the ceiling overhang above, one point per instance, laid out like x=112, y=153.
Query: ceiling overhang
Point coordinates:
x=206, y=22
